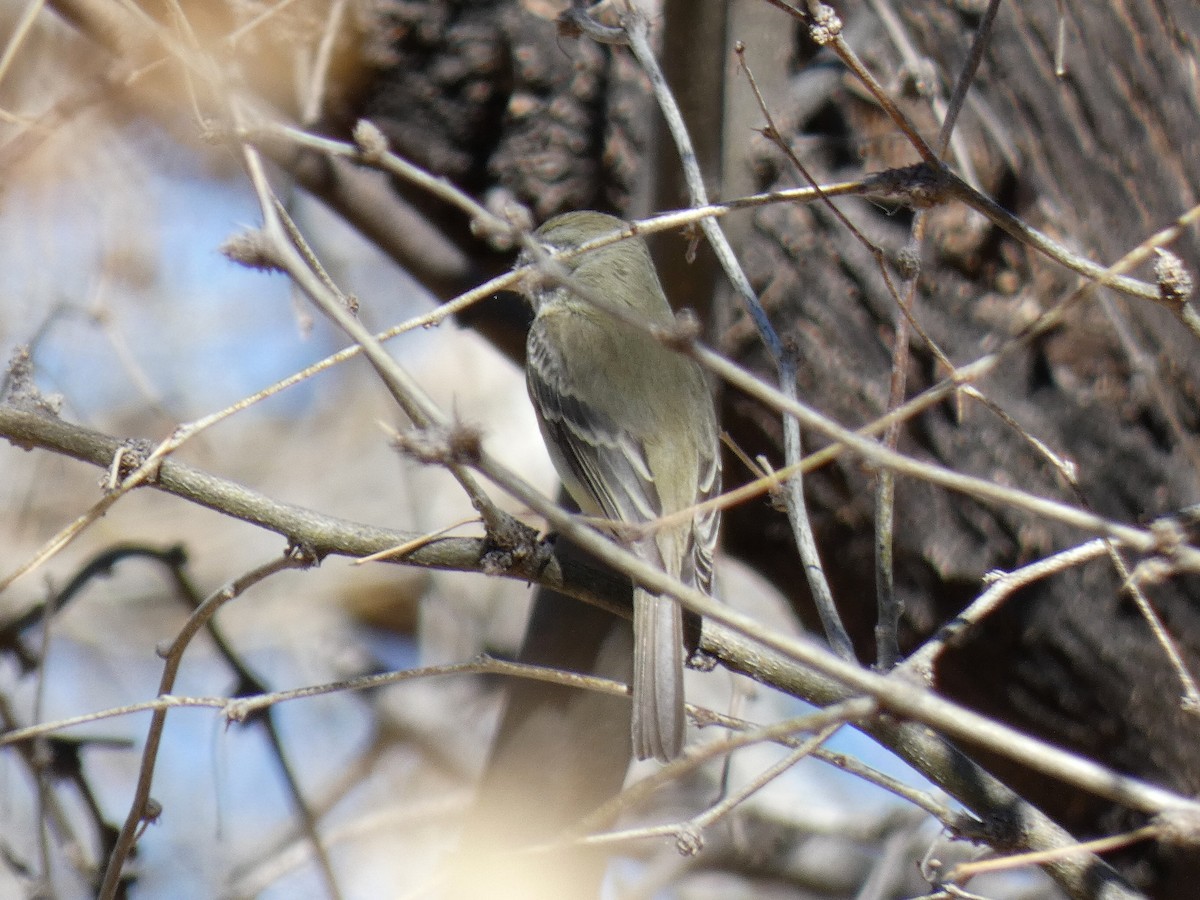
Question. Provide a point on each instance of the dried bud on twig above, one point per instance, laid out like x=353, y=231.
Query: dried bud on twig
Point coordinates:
x=1174, y=280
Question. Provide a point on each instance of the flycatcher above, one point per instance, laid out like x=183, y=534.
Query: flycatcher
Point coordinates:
x=631, y=429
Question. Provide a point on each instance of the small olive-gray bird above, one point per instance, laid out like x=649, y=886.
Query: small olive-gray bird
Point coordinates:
x=631, y=430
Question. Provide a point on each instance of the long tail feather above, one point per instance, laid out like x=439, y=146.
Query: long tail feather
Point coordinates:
x=657, y=677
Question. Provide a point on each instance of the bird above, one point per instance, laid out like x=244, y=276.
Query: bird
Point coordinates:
x=631, y=429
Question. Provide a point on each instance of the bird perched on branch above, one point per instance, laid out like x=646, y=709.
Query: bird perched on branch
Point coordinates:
x=631, y=429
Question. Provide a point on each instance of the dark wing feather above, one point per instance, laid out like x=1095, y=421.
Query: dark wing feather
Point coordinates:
x=706, y=524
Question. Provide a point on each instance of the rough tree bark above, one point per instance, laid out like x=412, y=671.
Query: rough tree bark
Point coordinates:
x=1101, y=158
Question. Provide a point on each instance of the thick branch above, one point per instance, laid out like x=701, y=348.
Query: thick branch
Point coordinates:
x=321, y=534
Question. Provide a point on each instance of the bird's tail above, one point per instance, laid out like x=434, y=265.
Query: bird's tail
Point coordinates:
x=657, y=676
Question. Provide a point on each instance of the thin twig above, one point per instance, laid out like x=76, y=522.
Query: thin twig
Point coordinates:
x=19, y=33
x=637, y=29
x=717, y=811
x=922, y=799
x=917, y=65
x=249, y=682
x=966, y=75
x=173, y=658
x=314, y=99
x=241, y=709
x=1158, y=629
x=964, y=871
x=802, y=533
x=1003, y=585
x=825, y=28
x=698, y=755
x=890, y=606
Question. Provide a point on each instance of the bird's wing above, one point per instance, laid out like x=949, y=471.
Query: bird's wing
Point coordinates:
x=603, y=465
